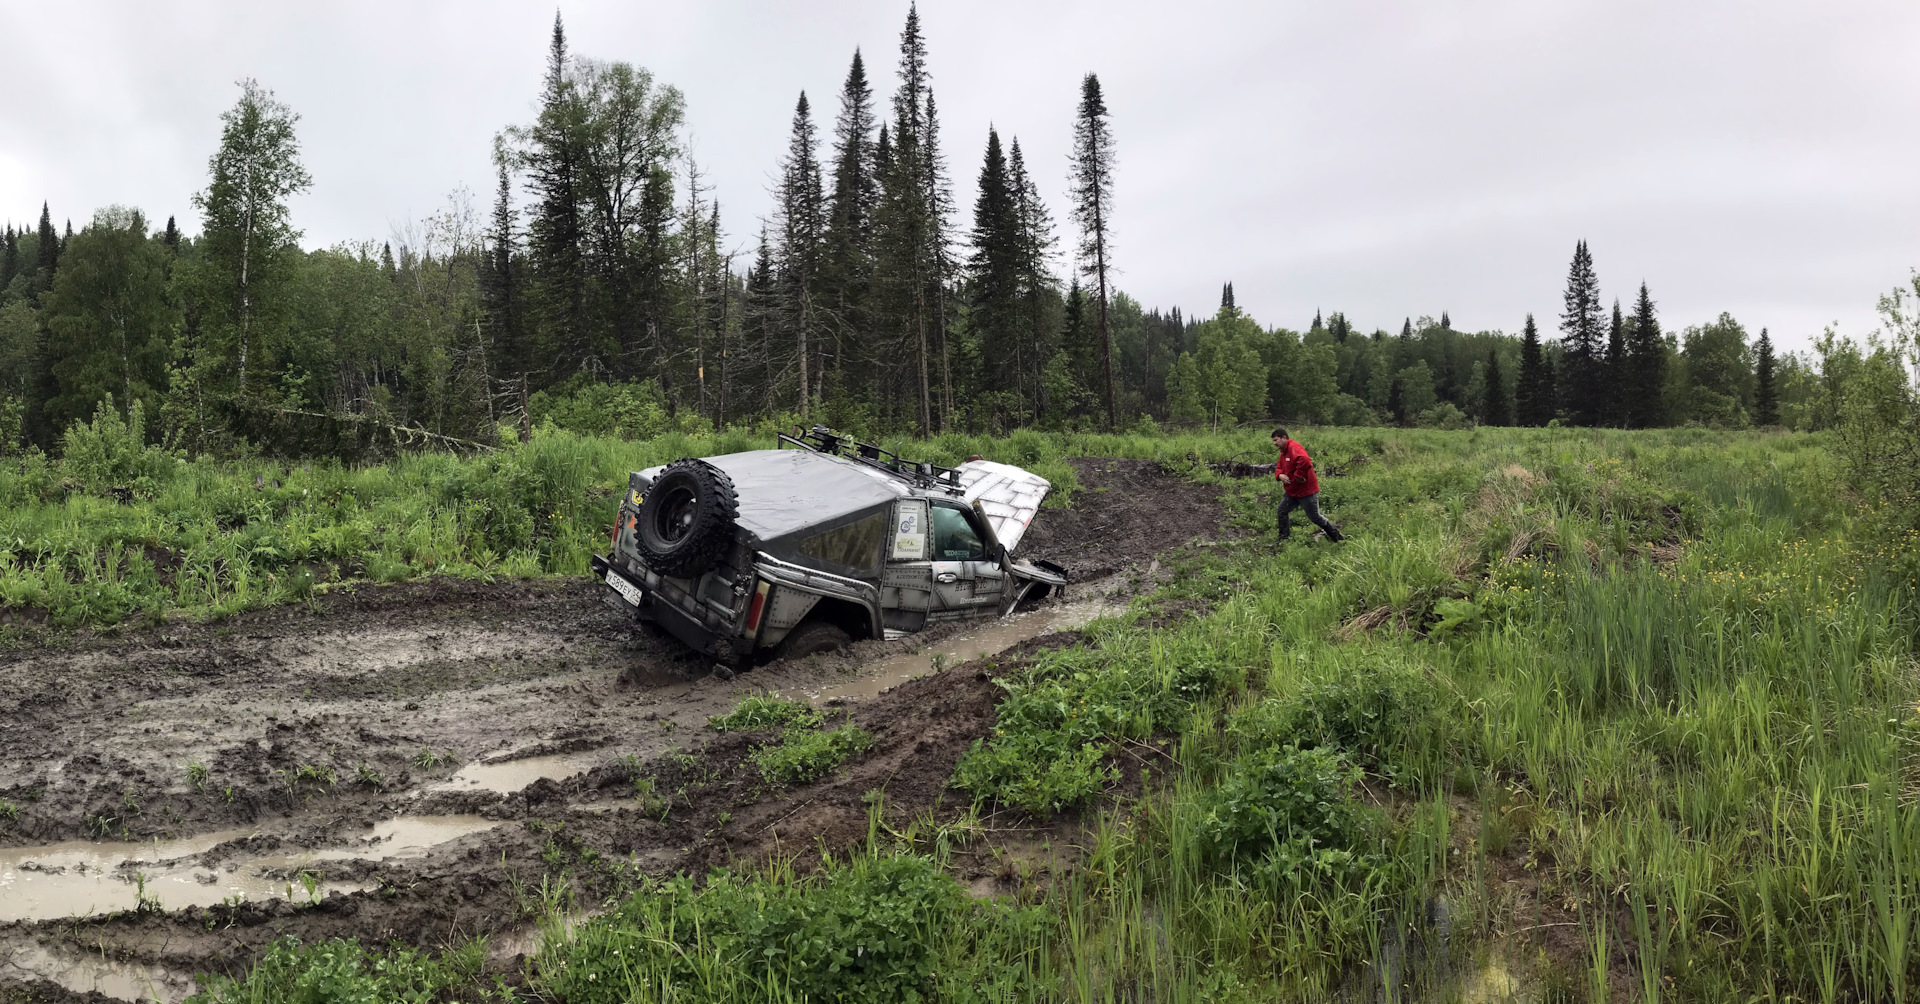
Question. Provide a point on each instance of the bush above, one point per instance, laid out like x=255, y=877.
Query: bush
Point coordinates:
x=108, y=454
x=868, y=930
x=340, y=971
x=807, y=755
x=764, y=711
x=1380, y=721
x=634, y=410
x=1285, y=804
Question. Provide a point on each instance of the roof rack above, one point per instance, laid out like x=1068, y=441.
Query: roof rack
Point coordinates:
x=920, y=474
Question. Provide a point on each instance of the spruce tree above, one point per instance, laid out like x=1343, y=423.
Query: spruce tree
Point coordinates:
x=1646, y=366
x=9, y=260
x=1613, y=397
x=171, y=236
x=1092, y=193
x=1406, y=330
x=1226, y=298
x=1446, y=323
x=993, y=272
x=802, y=228
x=47, y=253
x=1319, y=324
x=1766, y=401
x=1496, y=408
x=909, y=255
x=500, y=283
x=1533, y=399
x=1039, y=287
x=1583, y=337
x=847, y=262
x=556, y=241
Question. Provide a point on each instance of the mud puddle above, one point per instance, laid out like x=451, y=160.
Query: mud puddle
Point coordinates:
x=990, y=638
x=512, y=775
x=79, y=879
x=125, y=981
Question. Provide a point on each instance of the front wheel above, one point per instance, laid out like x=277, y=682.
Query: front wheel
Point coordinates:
x=814, y=638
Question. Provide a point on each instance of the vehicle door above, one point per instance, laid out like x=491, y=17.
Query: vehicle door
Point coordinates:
x=906, y=586
x=967, y=580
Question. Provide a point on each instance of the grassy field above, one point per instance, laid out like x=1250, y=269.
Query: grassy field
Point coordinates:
x=1576, y=715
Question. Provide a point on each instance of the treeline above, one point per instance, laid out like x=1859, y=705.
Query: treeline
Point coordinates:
x=605, y=293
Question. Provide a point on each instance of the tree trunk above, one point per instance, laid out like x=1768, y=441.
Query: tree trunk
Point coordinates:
x=920, y=326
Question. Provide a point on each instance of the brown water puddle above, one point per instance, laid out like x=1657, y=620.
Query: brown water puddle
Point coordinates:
x=78, y=878
x=125, y=981
x=513, y=775
x=989, y=638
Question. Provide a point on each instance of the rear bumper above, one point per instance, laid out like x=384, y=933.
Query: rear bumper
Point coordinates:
x=666, y=614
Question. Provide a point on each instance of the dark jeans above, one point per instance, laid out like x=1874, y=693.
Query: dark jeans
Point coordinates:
x=1311, y=504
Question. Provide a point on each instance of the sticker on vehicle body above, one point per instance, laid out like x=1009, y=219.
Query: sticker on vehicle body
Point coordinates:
x=637, y=497
x=910, y=530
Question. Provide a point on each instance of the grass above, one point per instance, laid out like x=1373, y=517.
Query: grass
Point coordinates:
x=1655, y=690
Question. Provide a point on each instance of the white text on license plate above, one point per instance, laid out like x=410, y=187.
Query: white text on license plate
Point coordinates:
x=630, y=592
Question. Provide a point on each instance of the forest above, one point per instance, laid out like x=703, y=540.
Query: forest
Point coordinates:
x=600, y=295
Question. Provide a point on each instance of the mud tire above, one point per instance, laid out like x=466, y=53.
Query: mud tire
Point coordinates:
x=686, y=522
x=814, y=638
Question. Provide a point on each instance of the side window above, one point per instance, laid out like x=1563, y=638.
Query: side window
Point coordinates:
x=856, y=545
x=954, y=538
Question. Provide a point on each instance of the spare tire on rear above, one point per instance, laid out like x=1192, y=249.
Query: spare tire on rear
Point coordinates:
x=685, y=523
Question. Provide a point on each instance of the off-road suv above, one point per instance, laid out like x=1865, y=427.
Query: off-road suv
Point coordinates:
x=819, y=542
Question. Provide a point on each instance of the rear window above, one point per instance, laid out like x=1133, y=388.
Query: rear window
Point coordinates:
x=856, y=545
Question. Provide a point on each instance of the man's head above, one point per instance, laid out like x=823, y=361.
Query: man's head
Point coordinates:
x=1280, y=437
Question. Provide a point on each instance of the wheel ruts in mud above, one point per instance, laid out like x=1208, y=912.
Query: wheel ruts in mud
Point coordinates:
x=686, y=521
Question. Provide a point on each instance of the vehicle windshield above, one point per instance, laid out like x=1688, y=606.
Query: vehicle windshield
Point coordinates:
x=954, y=538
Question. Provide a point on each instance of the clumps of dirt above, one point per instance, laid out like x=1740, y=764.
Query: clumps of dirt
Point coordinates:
x=1126, y=513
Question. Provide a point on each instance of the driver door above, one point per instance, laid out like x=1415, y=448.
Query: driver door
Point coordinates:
x=967, y=580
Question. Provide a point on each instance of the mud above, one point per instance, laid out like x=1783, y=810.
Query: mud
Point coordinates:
x=410, y=762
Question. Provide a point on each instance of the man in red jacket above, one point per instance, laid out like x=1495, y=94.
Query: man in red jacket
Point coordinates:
x=1294, y=471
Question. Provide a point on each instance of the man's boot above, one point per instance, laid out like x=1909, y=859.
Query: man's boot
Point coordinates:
x=1334, y=534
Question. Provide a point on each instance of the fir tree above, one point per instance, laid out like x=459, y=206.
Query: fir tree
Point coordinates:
x=9, y=260
x=171, y=236
x=1406, y=330
x=48, y=251
x=1766, y=401
x=1092, y=192
x=556, y=242
x=1613, y=398
x=802, y=229
x=1319, y=324
x=1533, y=400
x=1038, y=286
x=1446, y=323
x=847, y=262
x=993, y=271
x=1582, y=339
x=1496, y=408
x=1226, y=298
x=500, y=282
x=1646, y=367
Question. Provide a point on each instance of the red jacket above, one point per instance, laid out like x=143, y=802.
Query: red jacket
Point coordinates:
x=1295, y=463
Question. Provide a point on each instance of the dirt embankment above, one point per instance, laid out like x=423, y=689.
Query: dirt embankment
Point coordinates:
x=512, y=717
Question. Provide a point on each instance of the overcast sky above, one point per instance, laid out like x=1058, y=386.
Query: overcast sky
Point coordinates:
x=1385, y=159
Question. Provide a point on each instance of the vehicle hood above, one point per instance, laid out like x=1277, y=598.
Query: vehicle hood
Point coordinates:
x=1008, y=495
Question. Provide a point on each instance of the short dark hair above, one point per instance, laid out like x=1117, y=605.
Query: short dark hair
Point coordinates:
x=1281, y=434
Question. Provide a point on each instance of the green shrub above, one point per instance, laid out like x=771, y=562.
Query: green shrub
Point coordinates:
x=342, y=972
x=867, y=930
x=1381, y=720
x=764, y=711
x=1040, y=772
x=807, y=755
x=109, y=453
x=1285, y=804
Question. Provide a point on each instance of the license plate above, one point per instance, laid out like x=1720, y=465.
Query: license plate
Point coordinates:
x=627, y=590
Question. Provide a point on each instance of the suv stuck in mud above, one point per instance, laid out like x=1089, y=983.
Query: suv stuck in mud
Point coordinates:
x=819, y=542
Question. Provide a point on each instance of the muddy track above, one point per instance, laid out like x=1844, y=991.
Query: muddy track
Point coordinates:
x=424, y=754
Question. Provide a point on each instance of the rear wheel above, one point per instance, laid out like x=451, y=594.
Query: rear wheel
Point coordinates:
x=814, y=638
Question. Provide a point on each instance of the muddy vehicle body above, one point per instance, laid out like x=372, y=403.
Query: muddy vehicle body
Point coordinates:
x=819, y=542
